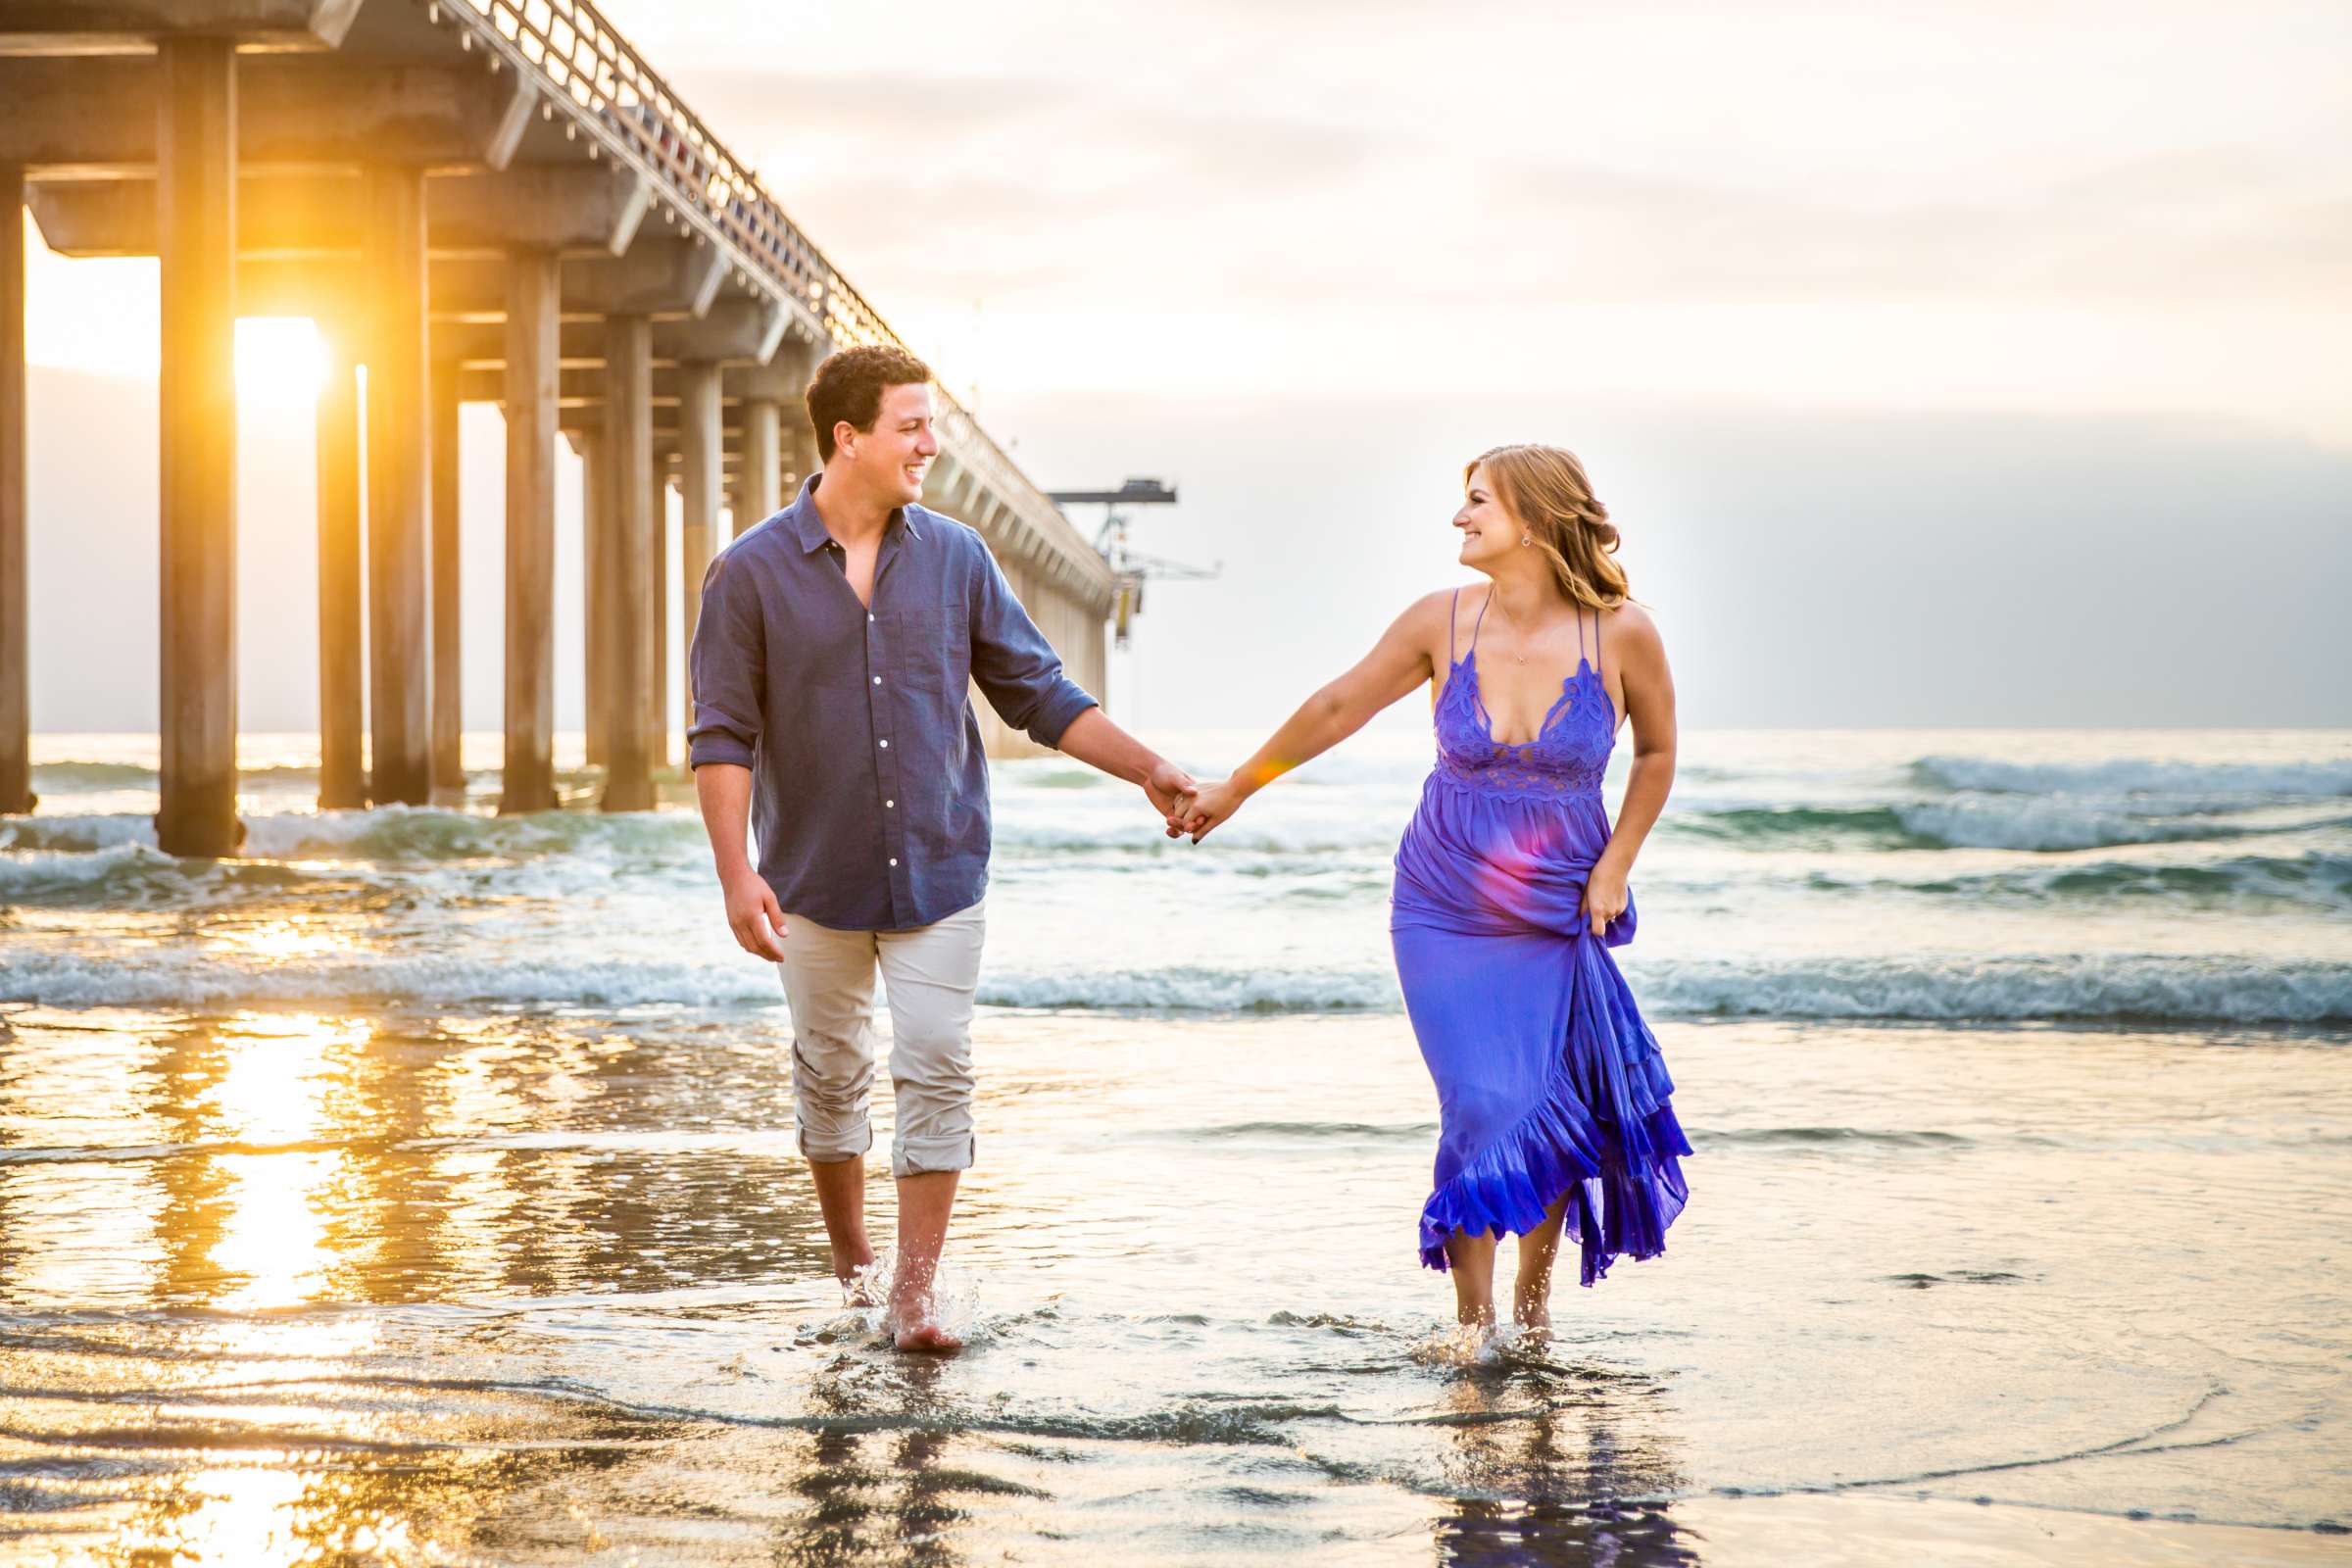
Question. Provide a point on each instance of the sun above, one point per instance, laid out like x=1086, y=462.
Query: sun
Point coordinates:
x=280, y=362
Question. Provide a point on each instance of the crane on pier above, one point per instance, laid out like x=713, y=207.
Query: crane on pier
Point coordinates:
x=1130, y=566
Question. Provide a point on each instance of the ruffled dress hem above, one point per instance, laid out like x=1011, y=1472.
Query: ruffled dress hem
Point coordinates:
x=1625, y=1172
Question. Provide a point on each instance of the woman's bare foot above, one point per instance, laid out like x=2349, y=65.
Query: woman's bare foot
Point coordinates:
x=1531, y=1293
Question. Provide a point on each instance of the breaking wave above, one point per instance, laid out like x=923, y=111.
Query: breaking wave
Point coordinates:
x=2133, y=776
x=2149, y=988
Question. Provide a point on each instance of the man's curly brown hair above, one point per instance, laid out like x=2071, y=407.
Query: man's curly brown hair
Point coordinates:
x=850, y=385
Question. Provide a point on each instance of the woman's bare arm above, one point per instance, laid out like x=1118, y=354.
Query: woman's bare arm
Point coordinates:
x=1640, y=653
x=1397, y=663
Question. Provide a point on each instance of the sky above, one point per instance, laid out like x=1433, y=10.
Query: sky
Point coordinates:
x=1940, y=364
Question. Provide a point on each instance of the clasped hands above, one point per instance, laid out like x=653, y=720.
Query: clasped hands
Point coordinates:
x=1190, y=808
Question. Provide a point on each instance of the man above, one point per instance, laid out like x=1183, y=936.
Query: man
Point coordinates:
x=830, y=670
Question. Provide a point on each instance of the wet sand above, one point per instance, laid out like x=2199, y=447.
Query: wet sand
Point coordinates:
x=475, y=1286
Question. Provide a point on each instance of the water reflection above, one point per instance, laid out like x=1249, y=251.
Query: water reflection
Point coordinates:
x=260, y=1162
x=253, y=1505
x=1560, y=1464
x=900, y=1478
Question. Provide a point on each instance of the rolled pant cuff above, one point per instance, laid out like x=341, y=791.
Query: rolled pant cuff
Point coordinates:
x=922, y=1156
x=833, y=1148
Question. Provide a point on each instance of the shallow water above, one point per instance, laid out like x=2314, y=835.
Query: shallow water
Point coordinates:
x=424, y=1191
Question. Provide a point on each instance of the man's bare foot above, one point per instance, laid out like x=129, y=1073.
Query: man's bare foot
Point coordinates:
x=853, y=1266
x=921, y=1334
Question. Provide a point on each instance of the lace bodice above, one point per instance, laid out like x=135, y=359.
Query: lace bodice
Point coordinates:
x=1570, y=751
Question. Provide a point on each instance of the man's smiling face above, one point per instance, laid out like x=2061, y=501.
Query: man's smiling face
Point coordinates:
x=894, y=455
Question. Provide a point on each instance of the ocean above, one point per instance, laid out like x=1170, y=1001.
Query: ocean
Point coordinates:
x=422, y=1186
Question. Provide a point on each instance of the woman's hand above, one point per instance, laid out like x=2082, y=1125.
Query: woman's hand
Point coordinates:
x=1170, y=790
x=1208, y=808
x=1604, y=895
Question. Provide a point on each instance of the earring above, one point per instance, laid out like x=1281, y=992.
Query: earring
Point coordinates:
x=1526, y=538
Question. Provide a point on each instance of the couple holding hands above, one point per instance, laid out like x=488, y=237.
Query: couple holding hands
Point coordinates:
x=831, y=665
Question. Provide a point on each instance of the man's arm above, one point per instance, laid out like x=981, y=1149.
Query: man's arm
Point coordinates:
x=724, y=792
x=1096, y=741
x=729, y=665
x=1023, y=678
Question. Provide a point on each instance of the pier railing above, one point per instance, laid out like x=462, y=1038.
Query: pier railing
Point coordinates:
x=578, y=60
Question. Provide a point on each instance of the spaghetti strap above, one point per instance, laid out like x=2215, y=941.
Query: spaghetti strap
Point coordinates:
x=1480, y=622
x=1452, y=614
x=1595, y=645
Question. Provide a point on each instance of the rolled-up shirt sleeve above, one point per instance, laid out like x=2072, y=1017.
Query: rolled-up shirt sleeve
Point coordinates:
x=1016, y=668
x=729, y=667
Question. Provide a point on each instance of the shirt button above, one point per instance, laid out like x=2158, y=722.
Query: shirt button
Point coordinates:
x=890, y=806
x=869, y=615
x=894, y=859
x=877, y=680
x=886, y=745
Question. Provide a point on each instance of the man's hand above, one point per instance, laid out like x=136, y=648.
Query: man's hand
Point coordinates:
x=753, y=915
x=1171, y=790
x=1209, y=808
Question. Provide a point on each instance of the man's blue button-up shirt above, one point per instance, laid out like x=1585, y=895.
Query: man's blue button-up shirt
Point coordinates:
x=869, y=790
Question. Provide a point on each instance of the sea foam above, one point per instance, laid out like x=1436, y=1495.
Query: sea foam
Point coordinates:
x=2153, y=987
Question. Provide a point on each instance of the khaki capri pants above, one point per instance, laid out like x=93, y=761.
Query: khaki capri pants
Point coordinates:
x=930, y=976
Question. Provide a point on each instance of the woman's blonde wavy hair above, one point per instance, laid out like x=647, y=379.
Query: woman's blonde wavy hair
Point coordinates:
x=1546, y=492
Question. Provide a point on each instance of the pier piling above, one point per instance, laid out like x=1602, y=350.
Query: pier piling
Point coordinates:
x=467, y=218
x=449, y=691
x=342, y=656
x=16, y=683
x=625, y=552
x=701, y=466
x=399, y=488
x=761, y=456
x=532, y=347
x=196, y=225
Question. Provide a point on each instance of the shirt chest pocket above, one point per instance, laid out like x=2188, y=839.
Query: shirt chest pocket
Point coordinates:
x=931, y=649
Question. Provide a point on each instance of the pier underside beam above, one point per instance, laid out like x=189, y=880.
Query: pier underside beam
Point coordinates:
x=736, y=330
x=86, y=118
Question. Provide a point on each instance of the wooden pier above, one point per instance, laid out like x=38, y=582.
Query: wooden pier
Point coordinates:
x=477, y=201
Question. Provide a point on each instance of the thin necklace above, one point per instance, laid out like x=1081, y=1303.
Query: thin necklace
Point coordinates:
x=1518, y=641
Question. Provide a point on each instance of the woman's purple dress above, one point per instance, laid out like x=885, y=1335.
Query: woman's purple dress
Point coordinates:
x=1548, y=1081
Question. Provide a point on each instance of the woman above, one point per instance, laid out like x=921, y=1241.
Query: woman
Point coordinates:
x=1510, y=885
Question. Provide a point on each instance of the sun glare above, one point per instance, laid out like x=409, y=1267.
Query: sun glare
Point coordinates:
x=280, y=362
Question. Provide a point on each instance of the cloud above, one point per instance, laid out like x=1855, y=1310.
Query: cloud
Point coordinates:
x=1943, y=205
x=2205, y=224
x=1016, y=187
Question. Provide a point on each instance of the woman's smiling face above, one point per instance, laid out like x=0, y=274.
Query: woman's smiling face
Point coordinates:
x=1488, y=532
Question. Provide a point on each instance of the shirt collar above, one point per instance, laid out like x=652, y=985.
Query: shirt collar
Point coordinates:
x=810, y=528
